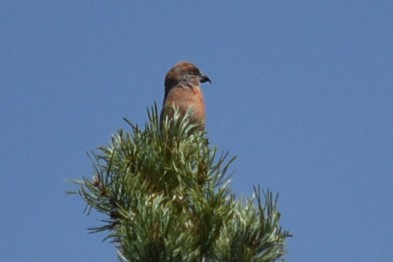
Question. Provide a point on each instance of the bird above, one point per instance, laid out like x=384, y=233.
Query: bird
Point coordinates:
x=183, y=91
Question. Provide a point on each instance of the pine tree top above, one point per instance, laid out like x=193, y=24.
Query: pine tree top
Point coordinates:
x=165, y=192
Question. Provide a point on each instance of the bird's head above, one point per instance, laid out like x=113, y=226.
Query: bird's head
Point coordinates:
x=184, y=74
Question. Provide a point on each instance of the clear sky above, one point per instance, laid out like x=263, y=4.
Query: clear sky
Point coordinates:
x=302, y=93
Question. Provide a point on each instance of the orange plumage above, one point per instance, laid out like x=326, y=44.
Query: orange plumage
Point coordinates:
x=182, y=89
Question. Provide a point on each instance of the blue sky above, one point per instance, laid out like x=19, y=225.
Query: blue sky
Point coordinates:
x=302, y=93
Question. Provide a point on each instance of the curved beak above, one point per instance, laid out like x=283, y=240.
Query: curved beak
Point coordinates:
x=204, y=78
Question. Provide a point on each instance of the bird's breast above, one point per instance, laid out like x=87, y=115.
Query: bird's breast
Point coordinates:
x=187, y=98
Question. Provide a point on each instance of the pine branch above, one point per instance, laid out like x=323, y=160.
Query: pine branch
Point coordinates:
x=166, y=196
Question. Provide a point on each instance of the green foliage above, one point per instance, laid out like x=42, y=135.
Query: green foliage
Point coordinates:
x=165, y=193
